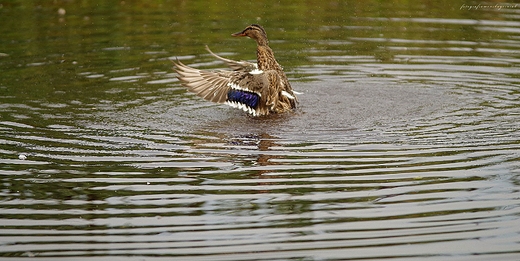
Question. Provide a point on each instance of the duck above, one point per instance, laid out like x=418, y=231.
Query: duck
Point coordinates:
x=260, y=88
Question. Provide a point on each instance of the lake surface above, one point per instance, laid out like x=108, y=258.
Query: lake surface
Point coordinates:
x=405, y=144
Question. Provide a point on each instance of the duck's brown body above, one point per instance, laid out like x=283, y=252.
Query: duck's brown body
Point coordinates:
x=258, y=89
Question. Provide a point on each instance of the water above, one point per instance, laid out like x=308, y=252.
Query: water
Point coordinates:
x=405, y=144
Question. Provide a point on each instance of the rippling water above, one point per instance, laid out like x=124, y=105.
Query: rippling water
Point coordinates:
x=403, y=147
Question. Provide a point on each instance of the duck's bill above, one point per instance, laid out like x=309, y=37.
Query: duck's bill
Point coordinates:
x=239, y=34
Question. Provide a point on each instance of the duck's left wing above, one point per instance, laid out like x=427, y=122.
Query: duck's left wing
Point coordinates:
x=243, y=90
x=212, y=86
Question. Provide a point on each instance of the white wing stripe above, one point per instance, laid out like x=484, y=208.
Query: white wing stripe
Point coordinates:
x=256, y=71
x=286, y=94
x=238, y=87
x=242, y=107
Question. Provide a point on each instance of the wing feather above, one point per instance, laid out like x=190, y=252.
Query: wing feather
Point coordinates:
x=215, y=86
x=211, y=86
x=239, y=66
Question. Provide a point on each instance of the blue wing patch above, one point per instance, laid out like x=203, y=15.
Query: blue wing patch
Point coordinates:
x=249, y=99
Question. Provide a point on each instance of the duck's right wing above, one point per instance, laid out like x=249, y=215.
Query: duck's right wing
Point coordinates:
x=240, y=66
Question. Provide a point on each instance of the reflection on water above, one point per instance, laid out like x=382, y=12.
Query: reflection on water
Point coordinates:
x=404, y=146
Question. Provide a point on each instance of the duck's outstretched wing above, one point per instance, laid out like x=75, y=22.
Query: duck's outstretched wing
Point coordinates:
x=239, y=66
x=243, y=90
x=212, y=86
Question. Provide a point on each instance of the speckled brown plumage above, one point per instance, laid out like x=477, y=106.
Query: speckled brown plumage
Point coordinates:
x=259, y=89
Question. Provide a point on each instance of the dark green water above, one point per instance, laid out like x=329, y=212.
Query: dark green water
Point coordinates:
x=405, y=145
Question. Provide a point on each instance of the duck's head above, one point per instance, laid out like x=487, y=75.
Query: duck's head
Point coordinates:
x=255, y=32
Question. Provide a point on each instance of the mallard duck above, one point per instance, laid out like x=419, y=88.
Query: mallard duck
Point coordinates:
x=258, y=88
